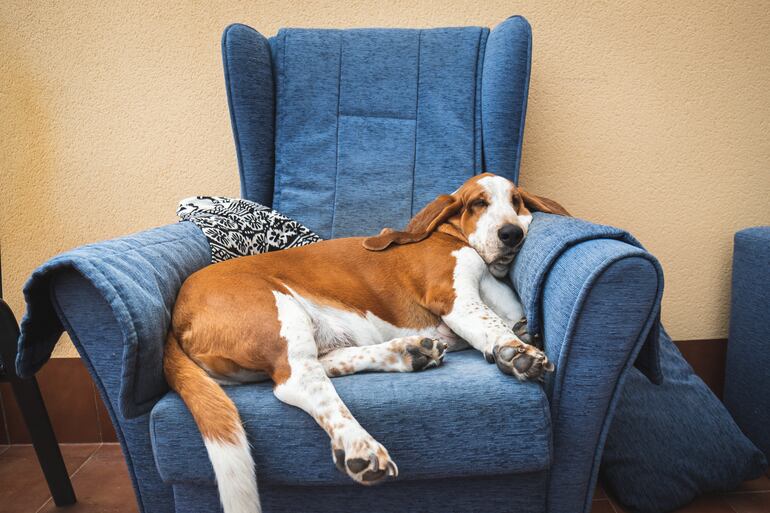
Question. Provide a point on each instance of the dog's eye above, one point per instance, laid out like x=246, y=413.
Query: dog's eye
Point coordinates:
x=479, y=203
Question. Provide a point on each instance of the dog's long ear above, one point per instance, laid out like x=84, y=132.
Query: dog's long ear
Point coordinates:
x=540, y=204
x=422, y=224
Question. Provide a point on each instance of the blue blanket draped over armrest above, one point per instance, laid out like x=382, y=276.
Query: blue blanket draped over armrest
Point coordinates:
x=139, y=276
x=548, y=238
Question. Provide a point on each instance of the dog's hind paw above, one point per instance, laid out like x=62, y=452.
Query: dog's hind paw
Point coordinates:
x=424, y=353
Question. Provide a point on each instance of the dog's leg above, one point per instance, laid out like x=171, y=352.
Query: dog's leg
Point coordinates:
x=502, y=299
x=354, y=450
x=405, y=354
x=472, y=319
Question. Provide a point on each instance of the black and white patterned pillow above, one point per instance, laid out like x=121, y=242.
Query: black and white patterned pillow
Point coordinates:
x=236, y=227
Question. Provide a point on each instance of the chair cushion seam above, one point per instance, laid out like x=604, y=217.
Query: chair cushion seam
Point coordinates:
x=378, y=116
x=337, y=136
x=233, y=116
x=523, y=114
x=416, y=125
x=478, y=138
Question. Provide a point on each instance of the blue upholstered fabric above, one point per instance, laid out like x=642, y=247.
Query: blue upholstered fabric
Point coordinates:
x=504, y=93
x=460, y=124
x=435, y=424
x=99, y=337
x=391, y=121
x=519, y=493
x=547, y=239
x=747, y=378
x=598, y=300
x=672, y=442
x=139, y=276
x=251, y=98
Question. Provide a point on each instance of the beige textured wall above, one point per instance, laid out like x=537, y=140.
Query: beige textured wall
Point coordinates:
x=648, y=115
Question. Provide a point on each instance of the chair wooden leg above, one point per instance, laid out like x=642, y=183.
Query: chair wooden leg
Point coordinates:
x=35, y=415
x=30, y=401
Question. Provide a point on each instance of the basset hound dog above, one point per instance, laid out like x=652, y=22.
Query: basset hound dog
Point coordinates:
x=395, y=302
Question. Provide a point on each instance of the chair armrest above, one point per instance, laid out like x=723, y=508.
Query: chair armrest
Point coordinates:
x=600, y=300
x=593, y=293
x=98, y=336
x=137, y=277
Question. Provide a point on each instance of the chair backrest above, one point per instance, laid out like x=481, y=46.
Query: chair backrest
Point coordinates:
x=369, y=125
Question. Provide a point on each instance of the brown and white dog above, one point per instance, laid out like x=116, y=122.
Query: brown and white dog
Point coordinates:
x=394, y=303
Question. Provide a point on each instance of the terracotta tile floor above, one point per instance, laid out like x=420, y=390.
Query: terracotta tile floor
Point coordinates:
x=98, y=473
x=100, y=478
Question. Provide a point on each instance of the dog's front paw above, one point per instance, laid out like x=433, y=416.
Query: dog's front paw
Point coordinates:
x=365, y=460
x=521, y=330
x=424, y=353
x=520, y=360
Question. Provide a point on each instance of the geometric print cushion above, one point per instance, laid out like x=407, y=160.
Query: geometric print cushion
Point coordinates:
x=236, y=227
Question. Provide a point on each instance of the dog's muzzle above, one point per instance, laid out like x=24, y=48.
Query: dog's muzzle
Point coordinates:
x=499, y=266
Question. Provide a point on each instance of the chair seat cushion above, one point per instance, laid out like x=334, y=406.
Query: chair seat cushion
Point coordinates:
x=464, y=418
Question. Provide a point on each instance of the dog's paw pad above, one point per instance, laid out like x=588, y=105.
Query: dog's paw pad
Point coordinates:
x=356, y=465
x=368, y=468
x=521, y=360
x=373, y=475
x=425, y=353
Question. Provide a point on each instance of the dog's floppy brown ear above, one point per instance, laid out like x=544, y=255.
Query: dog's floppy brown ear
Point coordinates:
x=540, y=204
x=422, y=224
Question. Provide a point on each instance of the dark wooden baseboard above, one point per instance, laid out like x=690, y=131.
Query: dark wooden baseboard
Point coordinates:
x=707, y=358
x=79, y=416
x=77, y=412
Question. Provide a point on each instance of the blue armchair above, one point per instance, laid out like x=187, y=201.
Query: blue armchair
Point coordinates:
x=348, y=131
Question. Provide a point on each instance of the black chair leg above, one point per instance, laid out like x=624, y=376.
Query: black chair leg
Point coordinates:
x=35, y=415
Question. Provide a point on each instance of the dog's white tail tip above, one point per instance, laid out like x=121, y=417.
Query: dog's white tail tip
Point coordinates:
x=236, y=477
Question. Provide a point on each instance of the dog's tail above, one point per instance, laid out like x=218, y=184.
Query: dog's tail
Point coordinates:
x=221, y=428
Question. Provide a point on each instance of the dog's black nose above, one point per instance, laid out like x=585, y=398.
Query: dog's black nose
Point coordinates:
x=510, y=234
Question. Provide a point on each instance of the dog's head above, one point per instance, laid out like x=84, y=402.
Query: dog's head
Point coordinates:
x=488, y=212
